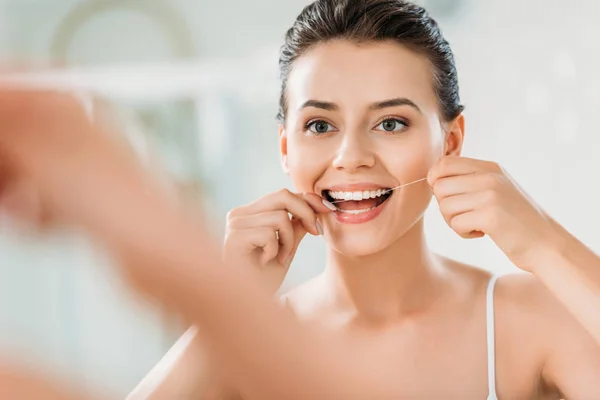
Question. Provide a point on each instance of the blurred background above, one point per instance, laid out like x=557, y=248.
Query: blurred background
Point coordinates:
x=196, y=84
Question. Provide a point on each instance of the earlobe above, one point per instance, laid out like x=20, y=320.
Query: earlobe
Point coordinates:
x=455, y=136
x=284, y=165
x=283, y=149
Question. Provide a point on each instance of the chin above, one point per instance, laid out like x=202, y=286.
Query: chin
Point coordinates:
x=361, y=240
x=360, y=244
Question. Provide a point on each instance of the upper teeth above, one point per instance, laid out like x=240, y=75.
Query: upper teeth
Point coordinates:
x=363, y=195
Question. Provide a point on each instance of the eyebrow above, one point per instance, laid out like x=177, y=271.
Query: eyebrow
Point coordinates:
x=399, y=101
x=325, y=105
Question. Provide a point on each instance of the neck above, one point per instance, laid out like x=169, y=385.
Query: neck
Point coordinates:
x=391, y=284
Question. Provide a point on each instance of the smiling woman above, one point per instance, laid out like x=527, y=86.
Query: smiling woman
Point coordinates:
x=375, y=133
x=370, y=102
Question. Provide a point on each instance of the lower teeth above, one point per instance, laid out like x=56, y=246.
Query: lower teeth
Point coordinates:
x=357, y=211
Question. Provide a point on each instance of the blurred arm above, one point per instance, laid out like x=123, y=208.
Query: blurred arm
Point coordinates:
x=263, y=348
x=183, y=373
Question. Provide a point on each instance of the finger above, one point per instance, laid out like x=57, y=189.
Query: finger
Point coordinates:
x=22, y=100
x=42, y=78
x=16, y=384
x=318, y=203
x=462, y=184
x=270, y=245
x=36, y=125
x=283, y=200
x=465, y=225
x=279, y=221
x=22, y=202
x=273, y=219
x=456, y=165
x=251, y=240
x=5, y=174
x=453, y=206
x=299, y=234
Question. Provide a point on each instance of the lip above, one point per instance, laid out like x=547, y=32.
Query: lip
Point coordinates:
x=346, y=218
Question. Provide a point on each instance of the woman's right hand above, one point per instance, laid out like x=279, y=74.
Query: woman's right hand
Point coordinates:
x=266, y=233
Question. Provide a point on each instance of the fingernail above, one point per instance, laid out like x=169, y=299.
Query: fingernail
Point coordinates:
x=329, y=205
x=319, y=228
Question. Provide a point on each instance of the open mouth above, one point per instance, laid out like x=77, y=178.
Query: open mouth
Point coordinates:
x=357, y=202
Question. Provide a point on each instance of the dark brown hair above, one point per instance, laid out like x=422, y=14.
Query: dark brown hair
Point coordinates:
x=363, y=21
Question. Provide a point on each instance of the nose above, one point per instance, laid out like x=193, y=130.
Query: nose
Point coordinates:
x=355, y=152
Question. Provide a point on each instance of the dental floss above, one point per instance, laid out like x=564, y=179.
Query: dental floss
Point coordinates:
x=388, y=190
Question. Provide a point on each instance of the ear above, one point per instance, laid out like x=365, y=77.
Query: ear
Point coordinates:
x=455, y=135
x=283, y=148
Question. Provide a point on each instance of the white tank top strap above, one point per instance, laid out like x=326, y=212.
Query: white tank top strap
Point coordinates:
x=491, y=347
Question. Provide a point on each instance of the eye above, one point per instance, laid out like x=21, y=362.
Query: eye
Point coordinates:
x=319, y=127
x=392, y=125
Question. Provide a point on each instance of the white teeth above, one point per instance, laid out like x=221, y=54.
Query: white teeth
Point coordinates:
x=357, y=196
x=355, y=212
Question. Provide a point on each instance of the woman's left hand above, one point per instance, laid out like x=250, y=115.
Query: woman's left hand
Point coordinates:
x=479, y=198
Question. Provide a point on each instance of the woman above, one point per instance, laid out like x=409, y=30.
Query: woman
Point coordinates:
x=369, y=103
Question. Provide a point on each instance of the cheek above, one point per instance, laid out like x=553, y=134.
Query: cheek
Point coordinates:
x=306, y=163
x=412, y=159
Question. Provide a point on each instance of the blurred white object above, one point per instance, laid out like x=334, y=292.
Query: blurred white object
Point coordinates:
x=159, y=82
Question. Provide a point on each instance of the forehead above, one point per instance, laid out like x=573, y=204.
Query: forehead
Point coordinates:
x=353, y=75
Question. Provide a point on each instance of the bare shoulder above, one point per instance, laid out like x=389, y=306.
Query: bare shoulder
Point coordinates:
x=528, y=312
x=514, y=294
x=536, y=338
x=570, y=357
x=528, y=318
x=522, y=289
x=523, y=296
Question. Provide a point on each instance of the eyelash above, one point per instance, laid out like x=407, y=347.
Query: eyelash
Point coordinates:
x=313, y=122
x=401, y=121
x=395, y=119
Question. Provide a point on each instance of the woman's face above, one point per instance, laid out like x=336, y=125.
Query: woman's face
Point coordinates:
x=362, y=119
